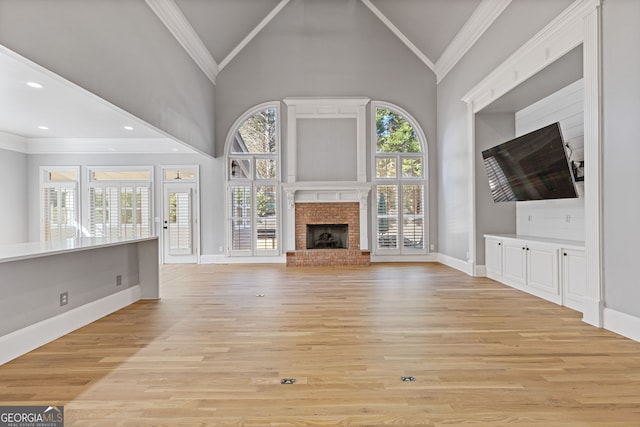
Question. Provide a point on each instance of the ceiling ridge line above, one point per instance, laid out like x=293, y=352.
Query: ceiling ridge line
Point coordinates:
x=479, y=21
x=400, y=35
x=173, y=18
x=265, y=21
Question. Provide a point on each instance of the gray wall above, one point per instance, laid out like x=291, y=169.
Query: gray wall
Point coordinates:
x=329, y=48
x=500, y=218
x=15, y=207
x=517, y=24
x=318, y=141
x=211, y=187
x=120, y=51
x=621, y=152
x=31, y=288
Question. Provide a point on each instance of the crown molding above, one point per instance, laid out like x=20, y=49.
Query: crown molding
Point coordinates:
x=400, y=35
x=557, y=38
x=479, y=21
x=173, y=18
x=105, y=146
x=11, y=142
x=253, y=33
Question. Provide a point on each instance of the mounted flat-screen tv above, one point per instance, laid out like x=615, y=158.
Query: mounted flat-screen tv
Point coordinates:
x=531, y=167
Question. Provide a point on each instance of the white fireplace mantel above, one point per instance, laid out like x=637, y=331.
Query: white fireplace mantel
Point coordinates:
x=327, y=192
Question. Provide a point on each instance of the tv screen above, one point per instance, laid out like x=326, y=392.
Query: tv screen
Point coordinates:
x=531, y=167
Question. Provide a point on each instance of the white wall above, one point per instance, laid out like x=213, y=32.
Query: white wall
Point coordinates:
x=563, y=218
x=14, y=210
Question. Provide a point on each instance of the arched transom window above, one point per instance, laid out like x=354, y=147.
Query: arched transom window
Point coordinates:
x=400, y=182
x=253, y=182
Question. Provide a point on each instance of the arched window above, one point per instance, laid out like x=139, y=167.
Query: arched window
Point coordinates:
x=400, y=178
x=253, y=177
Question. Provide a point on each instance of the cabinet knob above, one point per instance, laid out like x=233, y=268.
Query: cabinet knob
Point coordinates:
x=565, y=254
x=523, y=248
x=527, y=248
x=499, y=244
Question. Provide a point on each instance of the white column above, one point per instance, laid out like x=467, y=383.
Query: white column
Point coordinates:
x=364, y=220
x=292, y=143
x=593, y=301
x=291, y=221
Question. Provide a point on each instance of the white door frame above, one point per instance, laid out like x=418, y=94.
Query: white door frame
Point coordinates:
x=193, y=184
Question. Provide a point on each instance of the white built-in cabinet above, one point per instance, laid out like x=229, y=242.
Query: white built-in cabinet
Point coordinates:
x=573, y=278
x=547, y=268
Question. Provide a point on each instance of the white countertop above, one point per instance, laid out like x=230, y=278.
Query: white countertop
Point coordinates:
x=567, y=244
x=22, y=251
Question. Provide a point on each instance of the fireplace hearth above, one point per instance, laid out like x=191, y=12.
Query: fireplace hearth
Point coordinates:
x=327, y=236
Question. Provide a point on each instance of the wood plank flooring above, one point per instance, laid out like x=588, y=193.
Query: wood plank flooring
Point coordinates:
x=212, y=353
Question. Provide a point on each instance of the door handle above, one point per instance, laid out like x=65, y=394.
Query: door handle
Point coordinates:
x=165, y=226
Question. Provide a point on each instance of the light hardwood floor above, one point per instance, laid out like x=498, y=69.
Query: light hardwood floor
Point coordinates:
x=212, y=353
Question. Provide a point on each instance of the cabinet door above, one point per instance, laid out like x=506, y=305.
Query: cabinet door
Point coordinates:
x=543, y=272
x=514, y=263
x=573, y=279
x=493, y=257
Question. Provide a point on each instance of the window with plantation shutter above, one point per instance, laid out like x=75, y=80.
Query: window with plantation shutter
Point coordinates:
x=59, y=203
x=253, y=183
x=400, y=182
x=120, y=203
x=180, y=227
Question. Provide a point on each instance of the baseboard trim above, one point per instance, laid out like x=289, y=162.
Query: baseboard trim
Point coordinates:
x=456, y=263
x=481, y=271
x=593, y=312
x=222, y=259
x=622, y=323
x=22, y=341
x=404, y=258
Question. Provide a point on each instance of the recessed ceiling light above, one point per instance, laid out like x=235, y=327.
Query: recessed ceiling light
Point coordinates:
x=34, y=85
x=43, y=127
x=128, y=128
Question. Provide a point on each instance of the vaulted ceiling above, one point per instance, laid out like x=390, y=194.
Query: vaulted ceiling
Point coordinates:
x=213, y=32
x=439, y=32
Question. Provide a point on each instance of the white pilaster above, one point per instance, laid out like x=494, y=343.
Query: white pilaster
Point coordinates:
x=593, y=301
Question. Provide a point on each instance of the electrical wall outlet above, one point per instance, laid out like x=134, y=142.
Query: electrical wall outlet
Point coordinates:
x=119, y=280
x=432, y=247
x=64, y=298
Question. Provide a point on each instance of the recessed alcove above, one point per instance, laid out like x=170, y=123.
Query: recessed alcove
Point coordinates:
x=578, y=27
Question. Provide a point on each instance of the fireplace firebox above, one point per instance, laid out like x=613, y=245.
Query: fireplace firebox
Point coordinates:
x=327, y=236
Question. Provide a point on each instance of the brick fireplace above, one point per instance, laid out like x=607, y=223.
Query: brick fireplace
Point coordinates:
x=331, y=204
x=328, y=213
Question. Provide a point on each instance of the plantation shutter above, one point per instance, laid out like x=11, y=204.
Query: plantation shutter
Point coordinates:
x=60, y=208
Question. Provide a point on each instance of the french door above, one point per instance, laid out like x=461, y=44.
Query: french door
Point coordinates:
x=253, y=220
x=400, y=218
x=180, y=223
